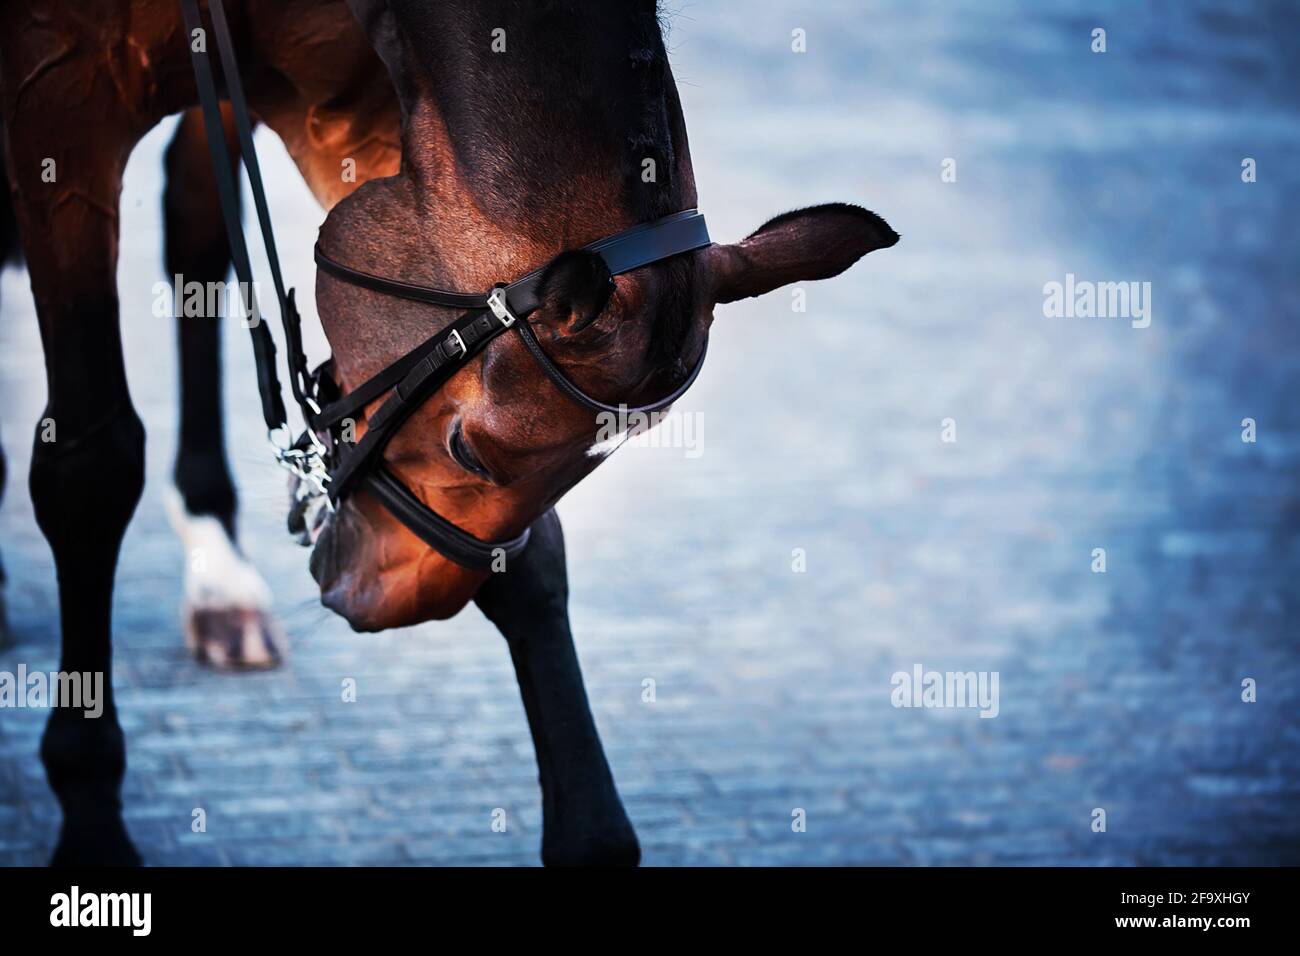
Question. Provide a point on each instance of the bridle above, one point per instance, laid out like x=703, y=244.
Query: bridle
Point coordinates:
x=321, y=458
x=426, y=368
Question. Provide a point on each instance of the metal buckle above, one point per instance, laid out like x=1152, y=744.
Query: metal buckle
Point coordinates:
x=464, y=350
x=307, y=464
x=496, y=301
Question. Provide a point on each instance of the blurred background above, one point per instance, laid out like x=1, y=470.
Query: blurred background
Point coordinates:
x=820, y=431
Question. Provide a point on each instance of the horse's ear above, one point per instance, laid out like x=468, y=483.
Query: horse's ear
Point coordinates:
x=573, y=290
x=814, y=243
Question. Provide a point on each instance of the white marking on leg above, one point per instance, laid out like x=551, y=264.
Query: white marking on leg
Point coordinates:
x=217, y=577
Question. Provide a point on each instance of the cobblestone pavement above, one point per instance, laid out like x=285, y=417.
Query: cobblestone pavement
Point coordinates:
x=822, y=432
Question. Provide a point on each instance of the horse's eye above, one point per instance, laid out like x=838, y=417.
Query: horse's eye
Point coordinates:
x=464, y=455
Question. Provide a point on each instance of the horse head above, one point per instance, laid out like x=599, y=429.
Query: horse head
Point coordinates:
x=512, y=161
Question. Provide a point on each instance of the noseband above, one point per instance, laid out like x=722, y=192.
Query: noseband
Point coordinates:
x=321, y=458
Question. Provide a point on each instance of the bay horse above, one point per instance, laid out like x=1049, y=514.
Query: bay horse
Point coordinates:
x=454, y=145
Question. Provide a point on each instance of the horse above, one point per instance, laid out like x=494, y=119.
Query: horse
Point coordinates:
x=455, y=145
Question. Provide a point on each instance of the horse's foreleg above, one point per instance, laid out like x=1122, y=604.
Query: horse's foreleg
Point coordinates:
x=8, y=250
x=87, y=467
x=4, y=619
x=226, y=613
x=583, y=820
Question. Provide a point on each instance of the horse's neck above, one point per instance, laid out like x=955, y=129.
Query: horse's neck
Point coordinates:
x=510, y=157
x=564, y=120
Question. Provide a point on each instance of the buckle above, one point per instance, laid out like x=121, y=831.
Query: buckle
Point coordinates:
x=464, y=349
x=496, y=301
x=307, y=464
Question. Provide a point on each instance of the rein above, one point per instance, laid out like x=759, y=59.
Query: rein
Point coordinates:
x=321, y=458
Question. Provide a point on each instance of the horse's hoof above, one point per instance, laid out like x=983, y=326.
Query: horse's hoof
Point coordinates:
x=101, y=844
x=233, y=638
x=226, y=614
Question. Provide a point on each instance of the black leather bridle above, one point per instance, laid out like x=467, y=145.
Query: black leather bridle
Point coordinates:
x=321, y=458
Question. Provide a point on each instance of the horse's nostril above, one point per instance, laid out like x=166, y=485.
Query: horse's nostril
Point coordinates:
x=321, y=562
